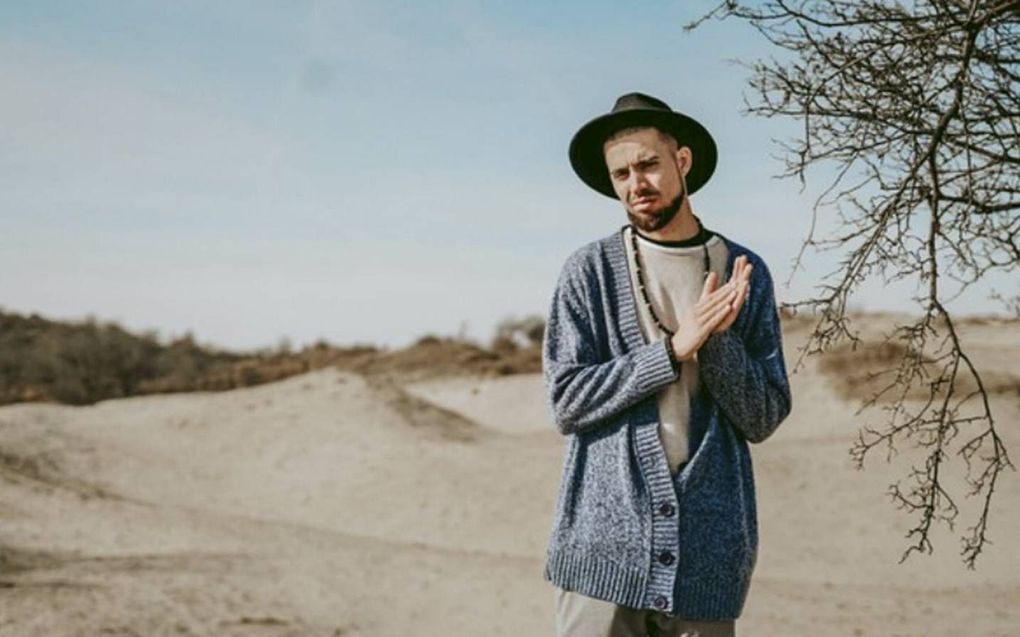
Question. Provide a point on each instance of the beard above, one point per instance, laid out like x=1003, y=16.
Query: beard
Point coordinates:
x=652, y=221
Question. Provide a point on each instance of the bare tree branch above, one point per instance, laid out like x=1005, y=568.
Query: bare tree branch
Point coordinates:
x=919, y=109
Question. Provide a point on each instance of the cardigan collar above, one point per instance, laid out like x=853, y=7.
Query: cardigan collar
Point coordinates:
x=617, y=253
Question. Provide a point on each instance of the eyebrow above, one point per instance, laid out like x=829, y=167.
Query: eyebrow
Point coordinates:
x=642, y=157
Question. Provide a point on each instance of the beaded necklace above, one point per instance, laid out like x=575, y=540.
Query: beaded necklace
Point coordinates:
x=641, y=282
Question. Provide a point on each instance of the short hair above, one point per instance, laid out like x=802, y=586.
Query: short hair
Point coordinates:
x=663, y=135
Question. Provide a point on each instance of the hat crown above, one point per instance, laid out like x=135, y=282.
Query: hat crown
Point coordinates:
x=639, y=101
x=587, y=153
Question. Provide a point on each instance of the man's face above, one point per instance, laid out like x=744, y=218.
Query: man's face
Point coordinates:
x=645, y=171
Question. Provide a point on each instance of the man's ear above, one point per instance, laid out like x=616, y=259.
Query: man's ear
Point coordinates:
x=684, y=159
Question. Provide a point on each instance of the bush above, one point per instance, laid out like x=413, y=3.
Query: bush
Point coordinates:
x=523, y=332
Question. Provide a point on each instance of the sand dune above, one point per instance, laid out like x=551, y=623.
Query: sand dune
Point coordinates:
x=331, y=504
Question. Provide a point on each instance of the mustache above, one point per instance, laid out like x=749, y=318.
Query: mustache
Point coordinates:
x=644, y=193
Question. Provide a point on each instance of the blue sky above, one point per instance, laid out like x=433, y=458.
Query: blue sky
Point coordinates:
x=364, y=172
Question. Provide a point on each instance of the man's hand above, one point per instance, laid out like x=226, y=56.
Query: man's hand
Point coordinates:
x=715, y=310
x=740, y=280
x=697, y=323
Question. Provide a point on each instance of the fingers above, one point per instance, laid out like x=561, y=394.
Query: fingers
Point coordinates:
x=743, y=293
x=714, y=293
x=736, y=289
x=745, y=274
x=741, y=272
x=745, y=282
x=708, y=306
x=721, y=306
x=741, y=296
x=709, y=285
x=740, y=278
x=717, y=316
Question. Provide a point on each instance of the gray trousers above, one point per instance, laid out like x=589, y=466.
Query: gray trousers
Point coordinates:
x=582, y=616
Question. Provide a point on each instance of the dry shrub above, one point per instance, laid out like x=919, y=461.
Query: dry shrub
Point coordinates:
x=84, y=362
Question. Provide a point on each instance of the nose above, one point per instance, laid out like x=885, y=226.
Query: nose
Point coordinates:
x=638, y=181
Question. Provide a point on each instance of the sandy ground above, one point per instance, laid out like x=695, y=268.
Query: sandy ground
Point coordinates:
x=316, y=506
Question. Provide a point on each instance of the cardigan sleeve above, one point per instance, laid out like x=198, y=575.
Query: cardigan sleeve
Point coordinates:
x=583, y=391
x=747, y=377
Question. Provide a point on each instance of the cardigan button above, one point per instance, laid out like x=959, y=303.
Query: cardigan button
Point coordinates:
x=666, y=510
x=666, y=558
x=660, y=602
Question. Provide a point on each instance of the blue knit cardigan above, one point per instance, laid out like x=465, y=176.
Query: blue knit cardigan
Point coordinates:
x=625, y=529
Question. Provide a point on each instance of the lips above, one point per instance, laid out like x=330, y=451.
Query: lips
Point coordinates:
x=646, y=196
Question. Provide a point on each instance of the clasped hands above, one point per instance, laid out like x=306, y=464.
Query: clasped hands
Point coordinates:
x=715, y=310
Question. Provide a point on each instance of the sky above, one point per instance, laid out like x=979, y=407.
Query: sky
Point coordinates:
x=360, y=172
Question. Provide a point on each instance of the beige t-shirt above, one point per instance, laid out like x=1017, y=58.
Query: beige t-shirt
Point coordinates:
x=674, y=277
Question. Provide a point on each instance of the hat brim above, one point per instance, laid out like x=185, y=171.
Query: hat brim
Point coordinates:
x=588, y=159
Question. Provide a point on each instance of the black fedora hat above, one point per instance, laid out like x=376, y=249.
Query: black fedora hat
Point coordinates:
x=638, y=109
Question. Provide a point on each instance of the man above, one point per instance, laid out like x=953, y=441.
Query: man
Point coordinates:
x=659, y=377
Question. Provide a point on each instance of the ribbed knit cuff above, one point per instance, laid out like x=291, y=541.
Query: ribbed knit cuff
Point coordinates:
x=654, y=369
